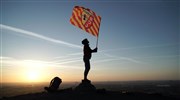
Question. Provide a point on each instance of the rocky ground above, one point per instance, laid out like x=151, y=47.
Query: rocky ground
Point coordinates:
x=86, y=91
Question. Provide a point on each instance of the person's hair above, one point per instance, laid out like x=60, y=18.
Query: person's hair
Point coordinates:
x=85, y=41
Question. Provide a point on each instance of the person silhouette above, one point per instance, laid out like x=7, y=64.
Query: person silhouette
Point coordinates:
x=87, y=56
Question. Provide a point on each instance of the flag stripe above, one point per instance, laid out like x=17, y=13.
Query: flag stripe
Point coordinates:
x=88, y=25
x=78, y=14
x=80, y=10
x=96, y=22
x=76, y=20
x=99, y=19
x=96, y=19
x=98, y=25
x=94, y=26
x=91, y=31
x=95, y=31
x=79, y=20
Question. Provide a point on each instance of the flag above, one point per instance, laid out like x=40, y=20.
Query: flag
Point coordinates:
x=86, y=19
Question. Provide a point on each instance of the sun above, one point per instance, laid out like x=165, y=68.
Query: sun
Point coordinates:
x=32, y=76
x=33, y=70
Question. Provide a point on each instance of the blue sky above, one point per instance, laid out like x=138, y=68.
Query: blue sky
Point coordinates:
x=138, y=39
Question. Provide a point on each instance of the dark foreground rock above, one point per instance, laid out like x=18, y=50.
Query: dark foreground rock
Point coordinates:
x=85, y=86
x=100, y=94
x=86, y=91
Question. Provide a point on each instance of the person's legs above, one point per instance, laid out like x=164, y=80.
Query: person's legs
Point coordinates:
x=87, y=68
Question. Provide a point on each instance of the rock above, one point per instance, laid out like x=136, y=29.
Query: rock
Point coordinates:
x=85, y=86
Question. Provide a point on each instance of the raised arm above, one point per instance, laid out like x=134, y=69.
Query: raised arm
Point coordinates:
x=94, y=50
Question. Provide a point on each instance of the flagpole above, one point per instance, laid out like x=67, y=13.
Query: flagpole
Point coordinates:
x=98, y=37
x=97, y=41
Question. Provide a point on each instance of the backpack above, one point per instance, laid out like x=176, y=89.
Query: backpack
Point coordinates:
x=54, y=84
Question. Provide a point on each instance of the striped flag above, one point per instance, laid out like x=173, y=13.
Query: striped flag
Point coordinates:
x=86, y=19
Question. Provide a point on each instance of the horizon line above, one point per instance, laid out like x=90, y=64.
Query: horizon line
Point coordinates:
x=102, y=81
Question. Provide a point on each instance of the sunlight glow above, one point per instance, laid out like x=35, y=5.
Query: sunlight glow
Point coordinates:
x=33, y=76
x=34, y=70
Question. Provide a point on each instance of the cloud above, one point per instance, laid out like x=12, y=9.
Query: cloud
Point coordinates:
x=140, y=47
x=38, y=36
x=105, y=60
x=122, y=58
x=8, y=63
x=67, y=60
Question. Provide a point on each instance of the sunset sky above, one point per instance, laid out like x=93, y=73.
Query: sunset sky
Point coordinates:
x=138, y=40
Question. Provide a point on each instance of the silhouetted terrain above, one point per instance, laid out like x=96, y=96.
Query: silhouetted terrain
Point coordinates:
x=102, y=94
x=127, y=90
